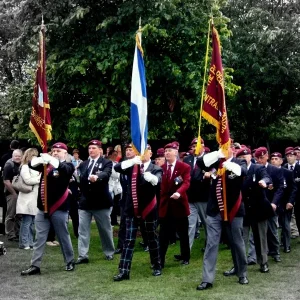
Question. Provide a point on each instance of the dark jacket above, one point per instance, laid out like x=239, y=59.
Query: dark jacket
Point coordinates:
x=290, y=189
x=146, y=192
x=275, y=194
x=233, y=188
x=95, y=195
x=258, y=207
x=57, y=185
x=296, y=173
x=199, y=187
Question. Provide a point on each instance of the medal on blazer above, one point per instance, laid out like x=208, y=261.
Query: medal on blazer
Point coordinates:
x=231, y=176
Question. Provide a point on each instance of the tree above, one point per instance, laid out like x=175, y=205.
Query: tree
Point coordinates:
x=265, y=56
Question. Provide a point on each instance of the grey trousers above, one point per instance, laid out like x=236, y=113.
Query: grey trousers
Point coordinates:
x=248, y=239
x=260, y=252
x=273, y=240
x=235, y=236
x=196, y=208
x=59, y=219
x=12, y=221
x=102, y=218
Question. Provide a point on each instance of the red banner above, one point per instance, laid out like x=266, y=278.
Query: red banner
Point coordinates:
x=214, y=106
x=40, y=120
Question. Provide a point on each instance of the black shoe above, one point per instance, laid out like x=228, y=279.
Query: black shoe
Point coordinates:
x=287, y=250
x=82, y=261
x=243, y=280
x=121, y=276
x=251, y=263
x=185, y=262
x=33, y=270
x=204, y=286
x=109, y=257
x=264, y=268
x=277, y=258
x=70, y=266
x=178, y=257
x=230, y=272
x=156, y=272
x=146, y=249
x=118, y=251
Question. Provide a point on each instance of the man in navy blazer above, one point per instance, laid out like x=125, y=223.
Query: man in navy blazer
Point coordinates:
x=257, y=207
x=95, y=201
x=274, y=194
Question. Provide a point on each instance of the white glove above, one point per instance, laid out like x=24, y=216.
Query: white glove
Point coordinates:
x=210, y=158
x=150, y=178
x=220, y=153
x=130, y=162
x=232, y=167
x=48, y=159
x=36, y=161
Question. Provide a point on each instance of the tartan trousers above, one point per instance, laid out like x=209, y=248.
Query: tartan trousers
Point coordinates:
x=128, y=247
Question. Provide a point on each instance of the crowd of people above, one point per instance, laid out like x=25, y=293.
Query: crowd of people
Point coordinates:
x=246, y=194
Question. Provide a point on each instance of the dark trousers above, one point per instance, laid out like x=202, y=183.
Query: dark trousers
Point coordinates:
x=285, y=221
x=128, y=246
x=166, y=229
x=272, y=235
x=73, y=213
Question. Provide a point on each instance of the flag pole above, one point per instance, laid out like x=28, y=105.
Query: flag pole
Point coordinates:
x=45, y=147
x=198, y=146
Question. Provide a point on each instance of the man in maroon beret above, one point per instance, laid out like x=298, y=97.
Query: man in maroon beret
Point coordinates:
x=274, y=194
x=160, y=157
x=257, y=208
x=174, y=207
x=234, y=171
x=95, y=202
x=292, y=165
x=140, y=209
x=59, y=173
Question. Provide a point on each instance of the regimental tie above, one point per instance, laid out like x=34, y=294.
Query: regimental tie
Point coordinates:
x=169, y=172
x=292, y=168
x=90, y=168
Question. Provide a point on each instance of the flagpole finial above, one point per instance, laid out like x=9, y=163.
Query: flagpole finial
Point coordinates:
x=43, y=25
x=140, y=24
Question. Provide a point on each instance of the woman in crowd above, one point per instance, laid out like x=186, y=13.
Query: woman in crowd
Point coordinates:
x=27, y=202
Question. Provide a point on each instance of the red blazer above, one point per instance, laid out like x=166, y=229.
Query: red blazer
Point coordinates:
x=176, y=207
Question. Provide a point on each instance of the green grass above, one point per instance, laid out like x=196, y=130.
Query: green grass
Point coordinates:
x=94, y=280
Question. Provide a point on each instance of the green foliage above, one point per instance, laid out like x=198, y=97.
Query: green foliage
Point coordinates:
x=90, y=46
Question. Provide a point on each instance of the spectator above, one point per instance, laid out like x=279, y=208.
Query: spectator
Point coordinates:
x=12, y=222
x=27, y=202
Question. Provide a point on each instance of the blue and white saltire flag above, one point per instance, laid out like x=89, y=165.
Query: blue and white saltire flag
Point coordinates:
x=139, y=111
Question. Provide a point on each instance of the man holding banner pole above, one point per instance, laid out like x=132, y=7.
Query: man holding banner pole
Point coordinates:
x=225, y=202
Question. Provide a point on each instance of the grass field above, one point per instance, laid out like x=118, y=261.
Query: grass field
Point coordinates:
x=94, y=280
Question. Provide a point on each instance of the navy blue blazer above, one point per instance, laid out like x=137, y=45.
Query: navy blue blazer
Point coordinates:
x=276, y=193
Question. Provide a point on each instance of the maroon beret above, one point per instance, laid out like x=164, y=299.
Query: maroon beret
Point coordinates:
x=173, y=145
x=60, y=145
x=160, y=152
x=243, y=151
x=128, y=146
x=289, y=150
x=297, y=148
x=276, y=154
x=261, y=151
x=176, y=143
x=195, y=140
x=95, y=143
